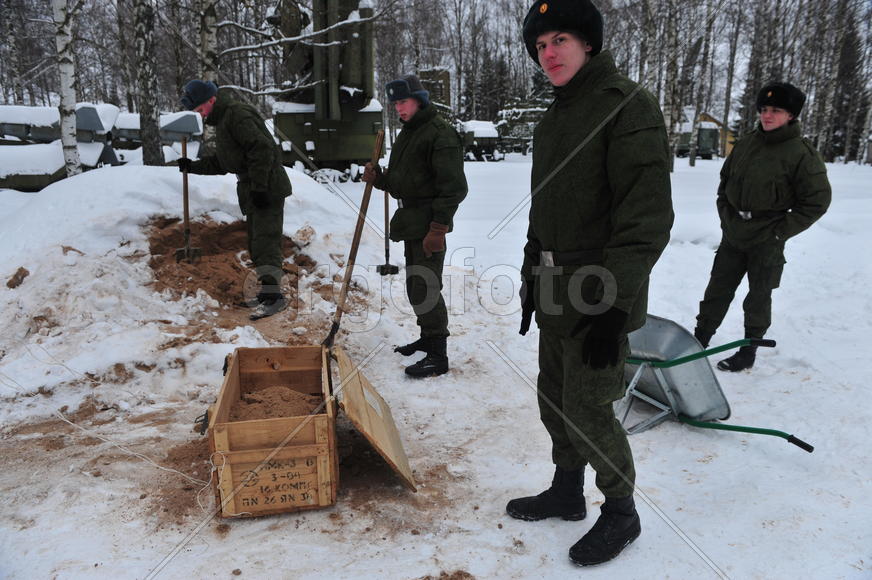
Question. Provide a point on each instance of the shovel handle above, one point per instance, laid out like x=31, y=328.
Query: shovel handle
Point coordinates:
x=355, y=242
x=185, y=190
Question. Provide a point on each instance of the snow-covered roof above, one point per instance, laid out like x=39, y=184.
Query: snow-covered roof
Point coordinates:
x=480, y=128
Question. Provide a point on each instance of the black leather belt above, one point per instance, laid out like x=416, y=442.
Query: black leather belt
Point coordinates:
x=415, y=202
x=580, y=258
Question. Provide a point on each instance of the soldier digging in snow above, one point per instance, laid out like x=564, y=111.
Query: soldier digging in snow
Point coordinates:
x=601, y=204
x=773, y=186
x=425, y=173
x=245, y=147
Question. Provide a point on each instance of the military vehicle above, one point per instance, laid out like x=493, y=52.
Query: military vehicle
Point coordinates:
x=516, y=124
x=708, y=140
x=34, y=156
x=333, y=118
x=481, y=141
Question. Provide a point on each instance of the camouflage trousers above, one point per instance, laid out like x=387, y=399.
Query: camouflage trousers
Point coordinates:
x=265, y=242
x=575, y=404
x=424, y=289
x=763, y=264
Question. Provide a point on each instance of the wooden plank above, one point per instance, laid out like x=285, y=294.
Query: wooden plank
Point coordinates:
x=280, y=358
x=268, y=433
x=281, y=455
x=229, y=393
x=262, y=493
x=372, y=416
x=224, y=482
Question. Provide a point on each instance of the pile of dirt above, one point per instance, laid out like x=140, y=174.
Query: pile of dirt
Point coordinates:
x=220, y=270
x=274, y=403
x=176, y=497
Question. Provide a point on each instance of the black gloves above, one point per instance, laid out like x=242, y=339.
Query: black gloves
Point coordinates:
x=184, y=164
x=259, y=199
x=602, y=342
x=528, y=304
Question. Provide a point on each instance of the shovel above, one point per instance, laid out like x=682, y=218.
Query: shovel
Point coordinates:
x=387, y=268
x=188, y=254
x=355, y=242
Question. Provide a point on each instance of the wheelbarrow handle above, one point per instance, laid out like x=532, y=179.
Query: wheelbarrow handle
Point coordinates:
x=800, y=443
x=762, y=342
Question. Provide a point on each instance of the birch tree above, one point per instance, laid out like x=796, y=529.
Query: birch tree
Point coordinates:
x=63, y=15
x=702, y=85
x=149, y=127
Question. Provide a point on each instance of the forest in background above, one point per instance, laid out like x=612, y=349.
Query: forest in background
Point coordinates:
x=702, y=55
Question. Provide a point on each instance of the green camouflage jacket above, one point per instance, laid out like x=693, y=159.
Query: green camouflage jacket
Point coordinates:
x=601, y=191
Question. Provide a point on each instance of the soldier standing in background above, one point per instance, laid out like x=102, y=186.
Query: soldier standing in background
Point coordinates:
x=244, y=146
x=425, y=174
x=773, y=186
x=601, y=205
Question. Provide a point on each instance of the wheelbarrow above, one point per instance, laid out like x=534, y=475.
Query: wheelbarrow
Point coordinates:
x=667, y=369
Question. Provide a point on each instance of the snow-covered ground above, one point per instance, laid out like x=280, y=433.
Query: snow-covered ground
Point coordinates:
x=86, y=332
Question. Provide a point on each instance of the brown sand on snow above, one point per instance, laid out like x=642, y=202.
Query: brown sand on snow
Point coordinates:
x=273, y=403
x=218, y=271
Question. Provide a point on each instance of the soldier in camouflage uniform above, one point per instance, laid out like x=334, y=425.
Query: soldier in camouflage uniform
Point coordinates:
x=600, y=216
x=245, y=147
x=773, y=186
x=425, y=174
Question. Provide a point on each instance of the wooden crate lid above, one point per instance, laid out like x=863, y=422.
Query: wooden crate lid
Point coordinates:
x=371, y=415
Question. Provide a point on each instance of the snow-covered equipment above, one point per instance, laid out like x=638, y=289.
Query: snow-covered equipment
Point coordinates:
x=667, y=369
x=481, y=140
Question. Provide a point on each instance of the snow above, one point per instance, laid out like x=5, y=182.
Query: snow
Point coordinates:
x=287, y=107
x=36, y=116
x=747, y=506
x=374, y=106
x=43, y=158
x=479, y=128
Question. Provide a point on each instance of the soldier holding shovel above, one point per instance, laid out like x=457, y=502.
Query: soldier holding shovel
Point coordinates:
x=245, y=147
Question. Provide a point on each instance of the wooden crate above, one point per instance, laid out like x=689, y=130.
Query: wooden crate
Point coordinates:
x=270, y=466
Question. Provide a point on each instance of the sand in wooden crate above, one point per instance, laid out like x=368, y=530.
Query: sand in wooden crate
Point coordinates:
x=273, y=403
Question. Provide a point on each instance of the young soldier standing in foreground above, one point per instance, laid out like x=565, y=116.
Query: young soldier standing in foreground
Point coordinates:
x=773, y=186
x=601, y=205
x=425, y=174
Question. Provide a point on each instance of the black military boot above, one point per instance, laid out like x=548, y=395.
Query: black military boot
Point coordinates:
x=617, y=526
x=268, y=303
x=436, y=361
x=565, y=498
x=703, y=336
x=419, y=345
x=744, y=359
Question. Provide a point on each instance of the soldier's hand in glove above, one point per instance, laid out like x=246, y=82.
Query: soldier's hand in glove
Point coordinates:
x=528, y=304
x=434, y=241
x=184, y=164
x=259, y=199
x=371, y=173
x=602, y=343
